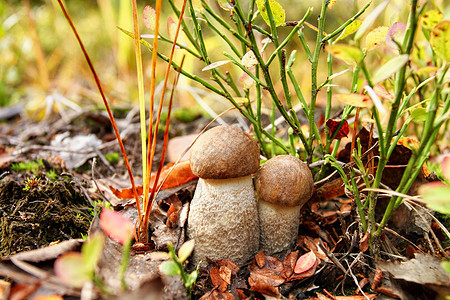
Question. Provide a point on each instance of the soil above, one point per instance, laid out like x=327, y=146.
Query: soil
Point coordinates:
x=35, y=216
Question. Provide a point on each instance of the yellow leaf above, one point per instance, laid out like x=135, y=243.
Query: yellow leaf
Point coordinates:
x=357, y=100
x=351, y=28
x=440, y=39
x=349, y=54
x=431, y=18
x=278, y=12
x=376, y=37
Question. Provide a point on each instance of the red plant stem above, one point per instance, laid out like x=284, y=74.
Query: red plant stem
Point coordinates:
x=108, y=109
x=166, y=133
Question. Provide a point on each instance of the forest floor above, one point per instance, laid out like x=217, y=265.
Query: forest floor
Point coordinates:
x=55, y=173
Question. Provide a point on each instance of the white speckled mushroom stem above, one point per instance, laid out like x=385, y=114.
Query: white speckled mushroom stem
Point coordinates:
x=223, y=220
x=278, y=226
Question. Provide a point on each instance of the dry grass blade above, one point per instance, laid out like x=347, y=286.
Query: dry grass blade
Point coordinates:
x=108, y=109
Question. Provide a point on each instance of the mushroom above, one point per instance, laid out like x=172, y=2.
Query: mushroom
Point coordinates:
x=223, y=216
x=283, y=185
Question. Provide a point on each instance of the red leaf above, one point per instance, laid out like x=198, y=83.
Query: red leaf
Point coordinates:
x=305, y=262
x=333, y=125
x=116, y=226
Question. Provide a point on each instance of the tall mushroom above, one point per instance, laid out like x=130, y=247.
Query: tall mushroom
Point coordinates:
x=283, y=185
x=223, y=217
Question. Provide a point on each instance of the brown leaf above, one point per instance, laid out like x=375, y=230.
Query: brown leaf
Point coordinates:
x=216, y=295
x=230, y=265
x=172, y=216
x=410, y=251
x=267, y=278
x=180, y=174
x=217, y=280
x=263, y=287
x=328, y=191
x=241, y=294
x=260, y=259
x=225, y=274
x=364, y=243
x=333, y=125
x=289, y=263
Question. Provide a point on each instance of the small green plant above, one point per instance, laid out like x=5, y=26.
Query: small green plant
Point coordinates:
x=174, y=267
x=112, y=157
x=31, y=182
x=98, y=205
x=27, y=166
x=51, y=174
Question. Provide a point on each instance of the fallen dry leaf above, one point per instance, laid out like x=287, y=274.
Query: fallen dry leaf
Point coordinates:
x=216, y=295
x=180, y=174
x=289, y=263
x=305, y=262
x=267, y=278
x=364, y=243
x=219, y=283
x=230, y=265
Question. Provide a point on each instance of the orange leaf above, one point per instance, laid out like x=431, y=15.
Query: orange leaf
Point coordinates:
x=217, y=280
x=180, y=174
x=305, y=262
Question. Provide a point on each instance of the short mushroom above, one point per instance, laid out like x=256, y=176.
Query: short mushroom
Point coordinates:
x=283, y=185
x=223, y=216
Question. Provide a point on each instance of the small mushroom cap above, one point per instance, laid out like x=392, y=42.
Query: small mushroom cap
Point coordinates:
x=224, y=152
x=284, y=180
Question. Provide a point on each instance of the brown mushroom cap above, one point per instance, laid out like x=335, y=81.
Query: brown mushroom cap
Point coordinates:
x=284, y=180
x=224, y=152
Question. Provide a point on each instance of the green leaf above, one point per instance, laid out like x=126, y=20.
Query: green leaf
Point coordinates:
x=446, y=266
x=351, y=28
x=192, y=278
x=169, y=268
x=419, y=115
x=368, y=21
x=349, y=54
x=431, y=18
x=225, y=4
x=92, y=250
x=186, y=250
x=437, y=196
x=440, y=39
x=278, y=12
x=376, y=37
x=390, y=68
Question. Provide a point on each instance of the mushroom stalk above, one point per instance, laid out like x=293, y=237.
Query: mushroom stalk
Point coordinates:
x=223, y=220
